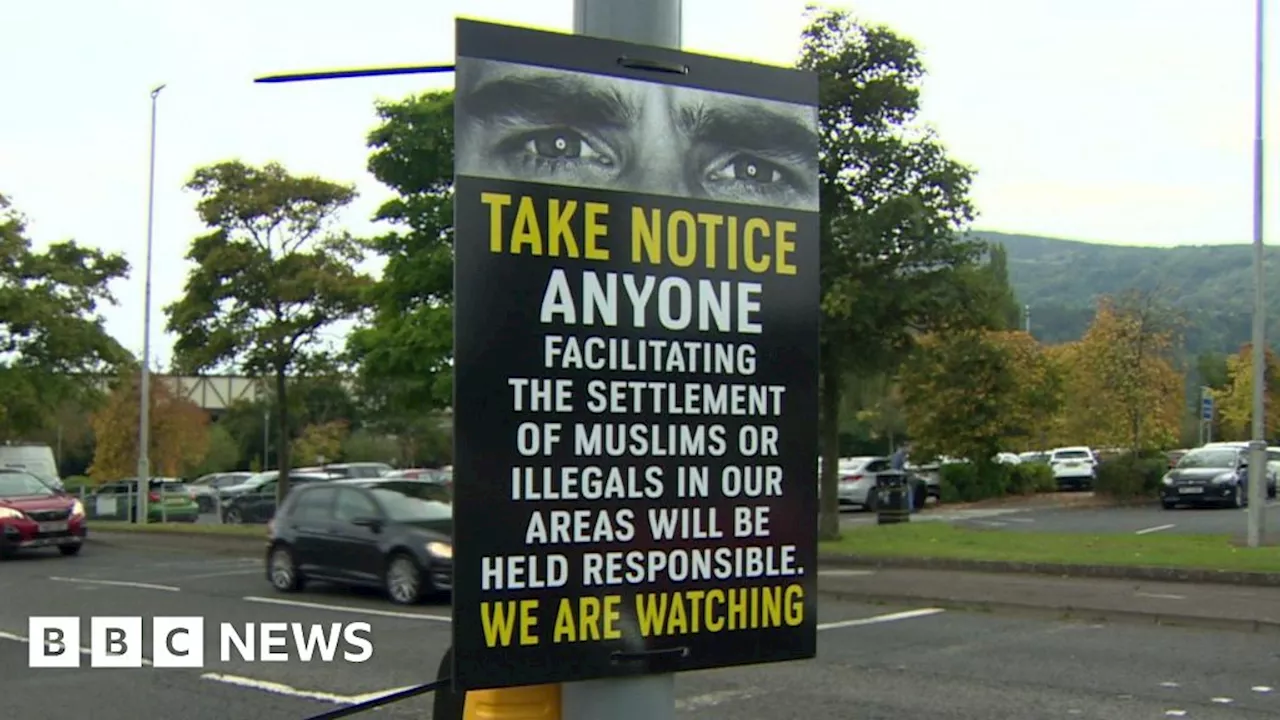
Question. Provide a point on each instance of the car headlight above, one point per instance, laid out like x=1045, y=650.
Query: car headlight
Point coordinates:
x=77, y=508
x=1225, y=478
x=10, y=514
x=440, y=550
x=1167, y=479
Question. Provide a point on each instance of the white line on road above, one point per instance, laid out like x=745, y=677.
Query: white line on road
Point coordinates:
x=846, y=573
x=698, y=702
x=276, y=688
x=226, y=573
x=348, y=609
x=118, y=583
x=1157, y=528
x=876, y=619
x=23, y=639
x=1161, y=596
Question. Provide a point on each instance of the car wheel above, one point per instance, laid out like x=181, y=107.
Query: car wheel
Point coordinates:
x=283, y=570
x=873, y=502
x=1168, y=504
x=404, y=580
x=232, y=517
x=1237, y=497
x=70, y=550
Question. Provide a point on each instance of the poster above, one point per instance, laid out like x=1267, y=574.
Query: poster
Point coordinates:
x=636, y=340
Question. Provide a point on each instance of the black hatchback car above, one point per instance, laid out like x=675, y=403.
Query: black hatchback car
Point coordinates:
x=390, y=533
x=1211, y=476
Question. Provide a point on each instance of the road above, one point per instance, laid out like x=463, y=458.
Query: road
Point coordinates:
x=874, y=662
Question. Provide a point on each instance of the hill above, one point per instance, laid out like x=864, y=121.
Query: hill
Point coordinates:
x=1211, y=285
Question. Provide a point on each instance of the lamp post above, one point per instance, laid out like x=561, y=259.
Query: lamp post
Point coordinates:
x=1258, y=446
x=144, y=386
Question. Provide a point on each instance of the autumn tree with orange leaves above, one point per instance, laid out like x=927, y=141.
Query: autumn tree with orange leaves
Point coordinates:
x=1122, y=387
x=974, y=393
x=1235, y=402
x=179, y=432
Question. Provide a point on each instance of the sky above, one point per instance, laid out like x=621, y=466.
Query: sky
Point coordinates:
x=1120, y=121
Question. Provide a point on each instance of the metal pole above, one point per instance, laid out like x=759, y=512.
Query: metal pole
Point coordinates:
x=266, y=439
x=1258, y=448
x=648, y=697
x=144, y=387
x=1026, y=314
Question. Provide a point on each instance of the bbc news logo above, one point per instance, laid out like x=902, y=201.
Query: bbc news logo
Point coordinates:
x=179, y=642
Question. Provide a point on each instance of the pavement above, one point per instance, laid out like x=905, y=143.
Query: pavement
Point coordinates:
x=1082, y=513
x=876, y=661
x=1172, y=603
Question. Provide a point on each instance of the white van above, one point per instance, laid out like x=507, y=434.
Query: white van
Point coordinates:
x=33, y=458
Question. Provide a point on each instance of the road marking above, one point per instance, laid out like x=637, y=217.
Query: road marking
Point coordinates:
x=276, y=688
x=1021, y=520
x=118, y=583
x=348, y=609
x=846, y=573
x=227, y=573
x=23, y=639
x=1161, y=596
x=876, y=619
x=1157, y=528
x=1261, y=688
x=1223, y=700
x=698, y=702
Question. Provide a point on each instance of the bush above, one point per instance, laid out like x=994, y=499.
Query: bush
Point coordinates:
x=1031, y=478
x=1128, y=477
x=75, y=482
x=970, y=482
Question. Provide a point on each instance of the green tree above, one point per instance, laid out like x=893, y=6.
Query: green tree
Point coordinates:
x=894, y=205
x=405, y=353
x=271, y=275
x=53, y=343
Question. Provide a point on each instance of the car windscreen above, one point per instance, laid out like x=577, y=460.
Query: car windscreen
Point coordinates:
x=20, y=484
x=1209, y=459
x=1071, y=455
x=404, y=505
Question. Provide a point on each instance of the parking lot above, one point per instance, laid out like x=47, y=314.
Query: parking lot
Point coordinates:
x=874, y=661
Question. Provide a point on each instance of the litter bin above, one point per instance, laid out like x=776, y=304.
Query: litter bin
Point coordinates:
x=893, y=498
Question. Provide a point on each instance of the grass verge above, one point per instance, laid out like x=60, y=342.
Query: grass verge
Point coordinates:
x=188, y=529
x=940, y=540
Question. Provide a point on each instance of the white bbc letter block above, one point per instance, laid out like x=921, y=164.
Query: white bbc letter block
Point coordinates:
x=53, y=642
x=177, y=642
x=115, y=642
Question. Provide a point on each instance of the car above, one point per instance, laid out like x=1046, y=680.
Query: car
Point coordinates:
x=168, y=500
x=34, y=515
x=1075, y=468
x=205, y=488
x=388, y=533
x=1273, y=460
x=256, y=502
x=1211, y=476
x=858, y=477
x=351, y=470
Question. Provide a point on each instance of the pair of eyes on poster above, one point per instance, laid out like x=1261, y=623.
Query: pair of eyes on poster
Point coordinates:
x=532, y=124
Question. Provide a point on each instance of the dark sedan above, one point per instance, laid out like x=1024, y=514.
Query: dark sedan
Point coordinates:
x=390, y=533
x=1210, y=476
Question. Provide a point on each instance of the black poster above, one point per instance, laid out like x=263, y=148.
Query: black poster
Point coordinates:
x=636, y=369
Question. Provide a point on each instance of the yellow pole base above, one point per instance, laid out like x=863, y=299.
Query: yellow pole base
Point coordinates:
x=534, y=702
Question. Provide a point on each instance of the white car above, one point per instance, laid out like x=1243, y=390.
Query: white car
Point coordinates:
x=1075, y=468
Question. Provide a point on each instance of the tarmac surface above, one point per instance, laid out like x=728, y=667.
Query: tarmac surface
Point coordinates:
x=895, y=661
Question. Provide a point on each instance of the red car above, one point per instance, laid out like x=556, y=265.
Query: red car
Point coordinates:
x=34, y=515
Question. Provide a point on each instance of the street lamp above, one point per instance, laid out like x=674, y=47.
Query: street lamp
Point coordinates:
x=144, y=400
x=1258, y=448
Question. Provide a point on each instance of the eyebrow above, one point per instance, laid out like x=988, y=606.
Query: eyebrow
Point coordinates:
x=754, y=126
x=549, y=97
